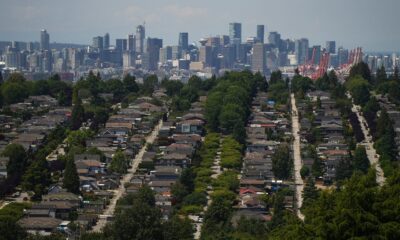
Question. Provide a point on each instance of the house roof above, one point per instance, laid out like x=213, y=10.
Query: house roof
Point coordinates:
x=61, y=196
x=161, y=183
x=174, y=156
x=194, y=122
x=252, y=181
x=193, y=116
x=118, y=124
x=87, y=157
x=38, y=223
x=335, y=152
x=88, y=163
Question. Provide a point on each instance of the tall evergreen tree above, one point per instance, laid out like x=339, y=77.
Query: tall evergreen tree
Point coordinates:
x=77, y=116
x=310, y=192
x=381, y=76
x=119, y=163
x=281, y=162
x=344, y=169
x=395, y=76
x=37, y=178
x=382, y=123
x=360, y=160
x=178, y=229
x=71, y=178
x=130, y=83
x=361, y=69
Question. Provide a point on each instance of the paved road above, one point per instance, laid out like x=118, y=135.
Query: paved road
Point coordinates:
x=217, y=171
x=109, y=211
x=369, y=144
x=297, y=158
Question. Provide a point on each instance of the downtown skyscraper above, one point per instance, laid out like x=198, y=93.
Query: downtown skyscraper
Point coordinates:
x=184, y=40
x=140, y=36
x=44, y=40
x=235, y=33
x=260, y=33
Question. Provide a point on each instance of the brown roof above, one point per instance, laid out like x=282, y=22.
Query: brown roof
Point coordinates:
x=252, y=181
x=89, y=163
x=336, y=152
x=193, y=122
x=174, y=156
x=118, y=125
x=39, y=223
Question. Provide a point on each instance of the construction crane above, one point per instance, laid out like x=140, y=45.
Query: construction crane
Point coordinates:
x=355, y=57
x=312, y=70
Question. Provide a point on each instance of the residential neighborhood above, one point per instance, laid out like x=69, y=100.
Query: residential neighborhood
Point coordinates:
x=209, y=158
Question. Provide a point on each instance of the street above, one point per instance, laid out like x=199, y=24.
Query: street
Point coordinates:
x=369, y=145
x=297, y=158
x=217, y=171
x=109, y=211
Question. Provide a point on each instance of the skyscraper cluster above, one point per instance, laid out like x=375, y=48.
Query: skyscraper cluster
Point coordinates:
x=264, y=52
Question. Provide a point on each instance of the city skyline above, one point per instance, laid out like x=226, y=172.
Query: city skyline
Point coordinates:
x=198, y=19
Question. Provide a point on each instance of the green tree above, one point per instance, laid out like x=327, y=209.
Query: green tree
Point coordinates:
x=279, y=209
x=119, y=163
x=216, y=215
x=178, y=229
x=361, y=69
x=213, y=108
x=344, y=169
x=37, y=178
x=77, y=116
x=239, y=132
x=230, y=115
x=310, y=193
x=195, y=82
x=317, y=168
x=395, y=77
x=275, y=77
x=371, y=106
x=10, y=230
x=360, y=209
x=304, y=172
x=146, y=195
x=302, y=84
x=187, y=179
x=149, y=84
x=13, y=92
x=179, y=192
x=18, y=158
x=130, y=83
x=281, y=162
x=16, y=78
x=40, y=87
x=360, y=160
x=195, y=198
x=139, y=221
x=78, y=138
x=386, y=144
x=381, y=76
x=278, y=92
x=383, y=123
x=359, y=89
x=71, y=178
x=172, y=87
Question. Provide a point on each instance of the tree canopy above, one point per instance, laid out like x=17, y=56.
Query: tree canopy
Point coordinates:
x=71, y=178
x=281, y=162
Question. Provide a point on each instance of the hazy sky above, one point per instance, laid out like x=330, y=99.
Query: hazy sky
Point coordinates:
x=372, y=24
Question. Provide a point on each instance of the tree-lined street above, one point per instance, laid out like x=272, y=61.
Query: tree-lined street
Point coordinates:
x=369, y=144
x=109, y=211
x=297, y=157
